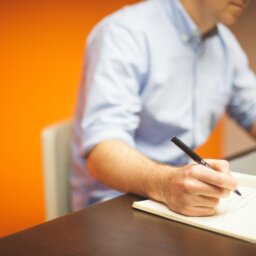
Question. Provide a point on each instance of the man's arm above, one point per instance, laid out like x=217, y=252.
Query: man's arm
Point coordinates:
x=192, y=190
x=252, y=131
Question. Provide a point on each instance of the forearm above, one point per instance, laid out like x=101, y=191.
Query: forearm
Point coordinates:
x=253, y=131
x=119, y=166
x=192, y=190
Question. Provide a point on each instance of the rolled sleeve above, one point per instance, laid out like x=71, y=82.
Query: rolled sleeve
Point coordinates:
x=114, y=73
x=107, y=134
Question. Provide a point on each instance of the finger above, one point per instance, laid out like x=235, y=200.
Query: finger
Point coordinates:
x=205, y=201
x=198, y=211
x=198, y=188
x=219, y=165
x=212, y=177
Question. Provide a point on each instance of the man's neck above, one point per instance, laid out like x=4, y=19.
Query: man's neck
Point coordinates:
x=196, y=13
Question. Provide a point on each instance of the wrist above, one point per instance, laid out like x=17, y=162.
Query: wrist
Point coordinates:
x=161, y=180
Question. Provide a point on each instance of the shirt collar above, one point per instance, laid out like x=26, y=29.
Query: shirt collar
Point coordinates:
x=211, y=33
x=187, y=28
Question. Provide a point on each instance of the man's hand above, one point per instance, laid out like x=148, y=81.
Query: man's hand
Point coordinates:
x=195, y=190
x=192, y=190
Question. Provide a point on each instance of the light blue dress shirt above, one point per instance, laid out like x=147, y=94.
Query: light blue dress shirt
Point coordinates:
x=148, y=76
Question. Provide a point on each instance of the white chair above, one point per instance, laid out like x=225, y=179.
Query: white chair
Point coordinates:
x=56, y=165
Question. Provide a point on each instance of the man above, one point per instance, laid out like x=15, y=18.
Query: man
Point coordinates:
x=154, y=70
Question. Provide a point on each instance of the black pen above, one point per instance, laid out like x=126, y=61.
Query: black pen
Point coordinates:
x=193, y=155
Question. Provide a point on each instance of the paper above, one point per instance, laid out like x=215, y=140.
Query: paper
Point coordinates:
x=235, y=215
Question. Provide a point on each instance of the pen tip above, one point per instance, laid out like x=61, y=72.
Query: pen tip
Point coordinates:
x=237, y=192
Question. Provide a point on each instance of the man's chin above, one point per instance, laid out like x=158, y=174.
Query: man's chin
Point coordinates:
x=229, y=20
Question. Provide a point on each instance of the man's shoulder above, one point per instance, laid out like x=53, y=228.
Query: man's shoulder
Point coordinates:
x=135, y=16
x=138, y=13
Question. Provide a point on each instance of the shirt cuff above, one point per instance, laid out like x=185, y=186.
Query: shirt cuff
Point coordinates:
x=90, y=141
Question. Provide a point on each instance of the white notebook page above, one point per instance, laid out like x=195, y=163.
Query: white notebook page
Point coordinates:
x=235, y=215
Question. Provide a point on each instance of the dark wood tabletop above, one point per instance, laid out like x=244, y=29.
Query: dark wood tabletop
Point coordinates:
x=114, y=228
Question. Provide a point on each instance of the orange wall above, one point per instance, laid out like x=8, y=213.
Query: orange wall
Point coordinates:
x=41, y=50
x=213, y=148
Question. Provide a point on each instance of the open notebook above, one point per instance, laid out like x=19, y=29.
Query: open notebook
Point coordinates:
x=235, y=216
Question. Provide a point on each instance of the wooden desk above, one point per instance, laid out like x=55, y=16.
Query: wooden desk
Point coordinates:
x=114, y=228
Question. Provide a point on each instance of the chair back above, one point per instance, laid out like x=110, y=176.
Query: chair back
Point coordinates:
x=56, y=167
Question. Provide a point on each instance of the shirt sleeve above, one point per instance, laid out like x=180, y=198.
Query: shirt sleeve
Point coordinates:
x=242, y=106
x=115, y=70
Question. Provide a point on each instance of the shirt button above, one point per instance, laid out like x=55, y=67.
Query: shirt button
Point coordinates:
x=184, y=37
